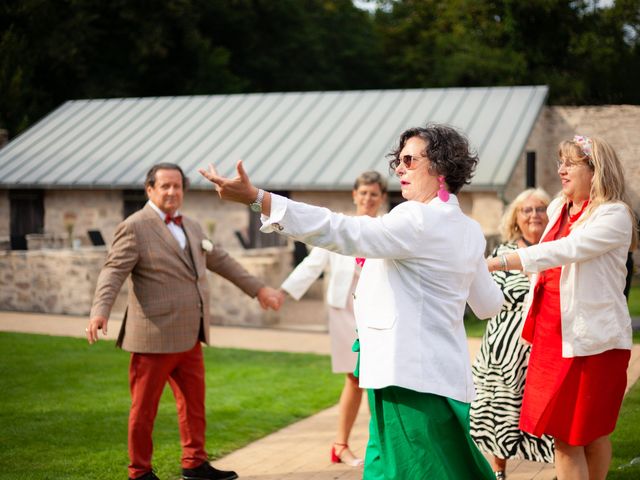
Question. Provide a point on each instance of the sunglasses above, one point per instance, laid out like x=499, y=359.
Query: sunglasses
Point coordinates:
x=409, y=162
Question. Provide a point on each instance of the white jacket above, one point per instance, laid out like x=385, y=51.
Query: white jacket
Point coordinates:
x=341, y=273
x=594, y=313
x=424, y=263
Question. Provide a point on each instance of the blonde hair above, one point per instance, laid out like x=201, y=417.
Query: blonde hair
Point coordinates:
x=608, y=185
x=509, y=229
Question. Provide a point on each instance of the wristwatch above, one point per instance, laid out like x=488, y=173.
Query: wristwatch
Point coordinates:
x=256, y=206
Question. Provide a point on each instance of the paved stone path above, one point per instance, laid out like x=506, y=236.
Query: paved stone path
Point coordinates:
x=301, y=450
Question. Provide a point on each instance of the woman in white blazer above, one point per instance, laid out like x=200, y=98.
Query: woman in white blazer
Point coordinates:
x=576, y=314
x=369, y=193
x=424, y=263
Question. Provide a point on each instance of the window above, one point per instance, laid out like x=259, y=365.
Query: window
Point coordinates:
x=27, y=216
x=133, y=200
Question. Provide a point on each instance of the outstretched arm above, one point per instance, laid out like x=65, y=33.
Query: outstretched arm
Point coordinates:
x=395, y=235
x=238, y=189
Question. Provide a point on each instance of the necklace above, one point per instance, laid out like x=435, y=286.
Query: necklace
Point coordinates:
x=526, y=242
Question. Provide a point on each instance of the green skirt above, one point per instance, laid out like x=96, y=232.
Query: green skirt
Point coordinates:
x=420, y=436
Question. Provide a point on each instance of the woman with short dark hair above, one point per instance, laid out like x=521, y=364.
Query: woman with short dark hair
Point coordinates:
x=423, y=262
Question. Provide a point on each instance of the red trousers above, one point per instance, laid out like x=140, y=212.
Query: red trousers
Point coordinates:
x=148, y=374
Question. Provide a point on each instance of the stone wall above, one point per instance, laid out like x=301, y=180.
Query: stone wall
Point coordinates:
x=93, y=210
x=103, y=210
x=336, y=201
x=224, y=218
x=51, y=281
x=63, y=281
x=230, y=306
x=486, y=209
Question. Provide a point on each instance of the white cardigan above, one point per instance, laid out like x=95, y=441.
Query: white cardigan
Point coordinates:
x=594, y=313
x=424, y=263
x=341, y=273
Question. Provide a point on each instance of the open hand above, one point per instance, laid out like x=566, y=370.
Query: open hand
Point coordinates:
x=238, y=189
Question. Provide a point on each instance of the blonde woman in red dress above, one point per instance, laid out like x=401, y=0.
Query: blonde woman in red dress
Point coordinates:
x=576, y=314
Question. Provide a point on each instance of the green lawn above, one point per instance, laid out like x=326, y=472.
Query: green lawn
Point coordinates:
x=474, y=327
x=626, y=439
x=64, y=405
x=634, y=299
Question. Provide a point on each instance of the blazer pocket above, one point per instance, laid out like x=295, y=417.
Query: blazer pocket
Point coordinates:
x=381, y=323
x=375, y=304
x=378, y=314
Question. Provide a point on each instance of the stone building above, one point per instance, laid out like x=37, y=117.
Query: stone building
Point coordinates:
x=81, y=169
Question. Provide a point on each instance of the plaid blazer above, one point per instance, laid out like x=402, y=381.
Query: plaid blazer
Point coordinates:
x=168, y=302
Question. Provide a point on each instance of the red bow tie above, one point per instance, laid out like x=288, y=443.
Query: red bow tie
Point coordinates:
x=177, y=219
x=360, y=261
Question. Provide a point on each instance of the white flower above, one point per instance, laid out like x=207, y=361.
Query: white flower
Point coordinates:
x=207, y=245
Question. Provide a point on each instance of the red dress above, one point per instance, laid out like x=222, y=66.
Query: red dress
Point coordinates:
x=576, y=400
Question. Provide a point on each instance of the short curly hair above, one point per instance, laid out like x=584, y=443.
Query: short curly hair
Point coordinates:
x=448, y=151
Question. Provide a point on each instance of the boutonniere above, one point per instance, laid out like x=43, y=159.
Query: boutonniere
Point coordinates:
x=207, y=245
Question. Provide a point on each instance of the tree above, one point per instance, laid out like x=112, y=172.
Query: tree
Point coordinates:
x=51, y=52
x=296, y=44
x=430, y=43
x=54, y=51
x=584, y=52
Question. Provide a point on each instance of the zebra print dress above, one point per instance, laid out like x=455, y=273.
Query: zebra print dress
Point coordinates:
x=499, y=376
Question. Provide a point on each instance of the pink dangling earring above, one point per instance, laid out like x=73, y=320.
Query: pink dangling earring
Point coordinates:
x=442, y=192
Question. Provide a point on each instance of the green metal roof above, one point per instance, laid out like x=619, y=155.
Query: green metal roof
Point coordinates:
x=288, y=141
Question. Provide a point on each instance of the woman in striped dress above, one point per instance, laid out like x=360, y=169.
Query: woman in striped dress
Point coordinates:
x=501, y=365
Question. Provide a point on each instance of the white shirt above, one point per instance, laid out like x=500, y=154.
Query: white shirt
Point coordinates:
x=424, y=263
x=176, y=231
x=341, y=273
x=593, y=309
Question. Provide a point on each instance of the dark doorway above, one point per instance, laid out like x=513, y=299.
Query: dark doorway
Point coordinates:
x=395, y=199
x=133, y=200
x=27, y=216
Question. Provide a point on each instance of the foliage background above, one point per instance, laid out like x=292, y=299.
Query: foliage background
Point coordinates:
x=51, y=51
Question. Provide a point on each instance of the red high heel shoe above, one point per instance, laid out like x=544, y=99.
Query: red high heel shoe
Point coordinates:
x=336, y=455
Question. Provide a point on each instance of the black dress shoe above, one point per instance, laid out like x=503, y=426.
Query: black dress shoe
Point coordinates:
x=147, y=476
x=206, y=472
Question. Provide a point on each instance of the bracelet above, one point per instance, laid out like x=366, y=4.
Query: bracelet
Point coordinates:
x=503, y=262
